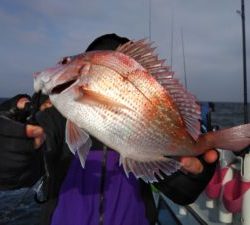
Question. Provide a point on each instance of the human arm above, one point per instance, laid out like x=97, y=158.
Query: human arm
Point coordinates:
x=184, y=187
x=20, y=156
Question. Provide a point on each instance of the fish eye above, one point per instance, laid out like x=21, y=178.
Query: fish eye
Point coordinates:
x=65, y=60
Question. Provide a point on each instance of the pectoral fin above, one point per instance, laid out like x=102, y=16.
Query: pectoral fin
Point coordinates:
x=150, y=171
x=78, y=141
x=94, y=98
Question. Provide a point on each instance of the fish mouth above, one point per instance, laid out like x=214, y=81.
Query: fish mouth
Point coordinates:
x=61, y=87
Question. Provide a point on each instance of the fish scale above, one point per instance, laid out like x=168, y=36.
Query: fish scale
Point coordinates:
x=130, y=99
x=129, y=125
x=130, y=135
x=146, y=132
x=146, y=88
x=118, y=85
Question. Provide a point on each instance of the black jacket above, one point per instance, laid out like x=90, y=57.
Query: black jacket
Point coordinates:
x=22, y=166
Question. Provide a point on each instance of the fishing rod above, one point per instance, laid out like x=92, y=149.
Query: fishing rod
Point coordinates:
x=149, y=19
x=244, y=63
x=172, y=41
x=184, y=60
x=244, y=59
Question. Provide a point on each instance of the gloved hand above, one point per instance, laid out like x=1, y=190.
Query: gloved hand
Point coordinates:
x=20, y=163
x=15, y=109
x=195, y=165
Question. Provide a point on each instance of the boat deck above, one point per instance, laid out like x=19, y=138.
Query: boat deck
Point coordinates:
x=195, y=214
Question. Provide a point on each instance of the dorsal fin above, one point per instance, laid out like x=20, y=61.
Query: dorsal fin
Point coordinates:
x=143, y=52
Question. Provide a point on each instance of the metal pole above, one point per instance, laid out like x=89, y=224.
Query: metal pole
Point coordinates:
x=244, y=61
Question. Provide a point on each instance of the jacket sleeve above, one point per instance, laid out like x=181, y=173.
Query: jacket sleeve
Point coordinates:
x=20, y=164
x=183, y=188
x=11, y=128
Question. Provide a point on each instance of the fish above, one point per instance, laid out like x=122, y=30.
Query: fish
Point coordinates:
x=131, y=101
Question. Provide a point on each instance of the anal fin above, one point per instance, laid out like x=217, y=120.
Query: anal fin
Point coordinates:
x=150, y=171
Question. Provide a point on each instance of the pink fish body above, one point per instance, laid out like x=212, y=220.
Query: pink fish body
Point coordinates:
x=130, y=101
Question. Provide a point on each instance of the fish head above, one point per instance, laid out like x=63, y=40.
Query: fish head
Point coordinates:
x=62, y=76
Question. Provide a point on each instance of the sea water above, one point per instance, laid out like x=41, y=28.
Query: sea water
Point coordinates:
x=19, y=208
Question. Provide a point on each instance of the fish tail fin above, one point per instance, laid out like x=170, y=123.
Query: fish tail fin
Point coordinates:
x=233, y=139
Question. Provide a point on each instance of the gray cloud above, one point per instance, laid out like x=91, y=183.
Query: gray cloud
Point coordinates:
x=35, y=34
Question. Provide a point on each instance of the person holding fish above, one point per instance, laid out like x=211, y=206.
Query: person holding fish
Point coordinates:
x=129, y=124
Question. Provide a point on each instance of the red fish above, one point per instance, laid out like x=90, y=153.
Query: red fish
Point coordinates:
x=130, y=101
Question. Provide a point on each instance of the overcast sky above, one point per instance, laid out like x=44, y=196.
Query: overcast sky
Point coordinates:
x=35, y=34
